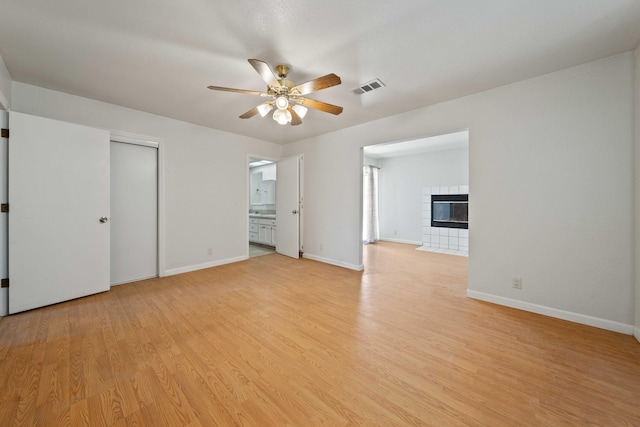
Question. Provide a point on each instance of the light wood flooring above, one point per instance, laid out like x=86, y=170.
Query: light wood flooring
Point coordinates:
x=277, y=342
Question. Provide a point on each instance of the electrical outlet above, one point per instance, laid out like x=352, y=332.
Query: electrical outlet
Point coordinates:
x=516, y=283
x=209, y=251
x=395, y=232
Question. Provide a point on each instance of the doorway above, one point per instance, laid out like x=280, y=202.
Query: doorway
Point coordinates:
x=409, y=173
x=275, y=201
x=262, y=206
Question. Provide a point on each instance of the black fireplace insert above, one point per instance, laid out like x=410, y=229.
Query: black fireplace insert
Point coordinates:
x=450, y=210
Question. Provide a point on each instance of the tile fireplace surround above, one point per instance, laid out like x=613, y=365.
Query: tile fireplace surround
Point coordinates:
x=453, y=241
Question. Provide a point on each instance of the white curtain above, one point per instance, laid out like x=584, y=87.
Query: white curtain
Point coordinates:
x=370, y=227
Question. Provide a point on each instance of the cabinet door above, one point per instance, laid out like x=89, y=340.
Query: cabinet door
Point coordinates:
x=273, y=236
x=262, y=234
x=254, y=187
x=268, y=192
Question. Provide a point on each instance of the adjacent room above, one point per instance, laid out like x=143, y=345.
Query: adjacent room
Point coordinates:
x=406, y=177
x=500, y=286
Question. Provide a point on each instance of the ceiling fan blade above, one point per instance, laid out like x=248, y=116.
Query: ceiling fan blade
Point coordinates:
x=250, y=113
x=317, y=84
x=319, y=105
x=248, y=92
x=295, y=118
x=266, y=73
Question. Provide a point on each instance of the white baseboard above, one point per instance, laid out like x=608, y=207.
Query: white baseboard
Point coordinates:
x=409, y=242
x=333, y=262
x=597, y=322
x=189, y=268
x=636, y=333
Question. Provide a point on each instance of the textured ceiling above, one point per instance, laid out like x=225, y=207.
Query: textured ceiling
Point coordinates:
x=159, y=56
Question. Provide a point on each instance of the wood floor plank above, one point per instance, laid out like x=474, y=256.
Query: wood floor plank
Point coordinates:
x=274, y=341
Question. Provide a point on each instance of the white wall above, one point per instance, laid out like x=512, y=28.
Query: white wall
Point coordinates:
x=401, y=181
x=205, y=173
x=5, y=87
x=550, y=170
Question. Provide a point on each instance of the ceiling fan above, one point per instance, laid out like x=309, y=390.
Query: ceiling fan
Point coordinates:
x=286, y=96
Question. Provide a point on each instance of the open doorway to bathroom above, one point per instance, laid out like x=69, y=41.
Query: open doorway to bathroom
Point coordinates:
x=262, y=206
x=400, y=181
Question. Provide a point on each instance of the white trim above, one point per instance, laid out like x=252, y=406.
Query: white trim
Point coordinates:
x=597, y=322
x=161, y=211
x=408, y=242
x=158, y=143
x=333, y=262
x=190, y=268
x=636, y=333
x=126, y=139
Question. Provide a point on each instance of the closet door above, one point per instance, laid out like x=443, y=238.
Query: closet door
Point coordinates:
x=59, y=210
x=134, y=212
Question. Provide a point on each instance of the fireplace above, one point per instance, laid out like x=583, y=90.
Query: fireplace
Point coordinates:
x=450, y=210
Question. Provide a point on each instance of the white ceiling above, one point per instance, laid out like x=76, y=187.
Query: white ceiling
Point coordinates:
x=448, y=141
x=159, y=56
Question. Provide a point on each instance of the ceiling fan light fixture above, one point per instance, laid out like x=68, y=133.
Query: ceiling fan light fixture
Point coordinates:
x=302, y=111
x=282, y=102
x=264, y=109
x=285, y=98
x=282, y=116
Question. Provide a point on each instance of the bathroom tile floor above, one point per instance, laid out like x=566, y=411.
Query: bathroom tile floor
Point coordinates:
x=258, y=250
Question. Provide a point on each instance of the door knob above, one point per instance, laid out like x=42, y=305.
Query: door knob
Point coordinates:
x=294, y=211
x=104, y=219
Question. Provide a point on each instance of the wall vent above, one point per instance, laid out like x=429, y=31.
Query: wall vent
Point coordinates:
x=368, y=87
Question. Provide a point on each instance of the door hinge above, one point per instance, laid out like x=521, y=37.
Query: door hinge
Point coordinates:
x=4, y=207
x=5, y=133
x=5, y=283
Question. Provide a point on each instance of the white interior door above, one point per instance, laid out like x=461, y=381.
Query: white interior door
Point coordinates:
x=58, y=191
x=4, y=240
x=134, y=212
x=288, y=207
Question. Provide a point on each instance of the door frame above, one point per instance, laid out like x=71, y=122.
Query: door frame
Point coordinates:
x=248, y=195
x=4, y=217
x=150, y=141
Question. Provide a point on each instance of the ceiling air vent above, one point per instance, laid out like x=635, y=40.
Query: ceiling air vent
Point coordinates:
x=368, y=87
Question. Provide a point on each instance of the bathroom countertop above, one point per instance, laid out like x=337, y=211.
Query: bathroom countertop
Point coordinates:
x=269, y=216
